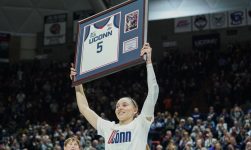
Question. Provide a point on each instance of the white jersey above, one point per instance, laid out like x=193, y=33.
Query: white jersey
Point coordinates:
x=132, y=136
x=100, y=44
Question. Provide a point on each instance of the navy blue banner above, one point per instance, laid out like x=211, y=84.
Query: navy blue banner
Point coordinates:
x=4, y=47
x=208, y=41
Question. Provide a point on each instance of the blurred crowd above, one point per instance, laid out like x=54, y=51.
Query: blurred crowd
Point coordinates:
x=227, y=130
x=38, y=108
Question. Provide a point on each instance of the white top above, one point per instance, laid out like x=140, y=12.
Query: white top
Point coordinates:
x=101, y=45
x=132, y=136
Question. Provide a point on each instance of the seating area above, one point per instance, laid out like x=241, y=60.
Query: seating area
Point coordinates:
x=38, y=108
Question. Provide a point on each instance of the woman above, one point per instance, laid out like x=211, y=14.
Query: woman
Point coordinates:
x=186, y=141
x=72, y=143
x=132, y=130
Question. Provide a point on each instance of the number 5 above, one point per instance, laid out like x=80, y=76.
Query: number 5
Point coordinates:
x=99, y=47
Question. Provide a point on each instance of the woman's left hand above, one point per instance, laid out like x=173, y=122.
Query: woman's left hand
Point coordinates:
x=146, y=49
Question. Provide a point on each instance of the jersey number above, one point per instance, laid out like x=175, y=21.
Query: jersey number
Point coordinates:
x=99, y=47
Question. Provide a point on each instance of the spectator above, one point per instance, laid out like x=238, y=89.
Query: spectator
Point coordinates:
x=72, y=143
x=166, y=138
x=189, y=124
x=196, y=114
x=199, y=144
x=101, y=144
x=169, y=122
x=216, y=146
x=211, y=114
x=248, y=146
x=171, y=146
x=221, y=126
x=185, y=141
x=199, y=126
x=159, y=147
x=237, y=114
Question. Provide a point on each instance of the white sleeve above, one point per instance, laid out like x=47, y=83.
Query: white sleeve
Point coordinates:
x=153, y=92
x=103, y=126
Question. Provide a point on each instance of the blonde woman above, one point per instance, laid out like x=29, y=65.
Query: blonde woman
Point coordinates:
x=72, y=143
x=132, y=130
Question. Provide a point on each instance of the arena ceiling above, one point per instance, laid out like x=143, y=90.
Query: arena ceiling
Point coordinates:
x=26, y=16
x=163, y=9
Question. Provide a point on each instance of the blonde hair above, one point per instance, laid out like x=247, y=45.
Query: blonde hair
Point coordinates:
x=135, y=104
x=147, y=147
x=70, y=140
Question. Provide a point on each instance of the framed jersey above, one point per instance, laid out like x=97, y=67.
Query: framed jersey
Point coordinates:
x=111, y=40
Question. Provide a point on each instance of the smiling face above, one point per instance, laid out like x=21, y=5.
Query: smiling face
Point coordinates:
x=72, y=144
x=126, y=110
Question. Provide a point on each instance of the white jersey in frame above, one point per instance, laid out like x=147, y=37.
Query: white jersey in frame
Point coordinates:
x=100, y=43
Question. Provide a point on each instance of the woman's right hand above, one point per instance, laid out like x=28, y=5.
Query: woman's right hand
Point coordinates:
x=73, y=71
